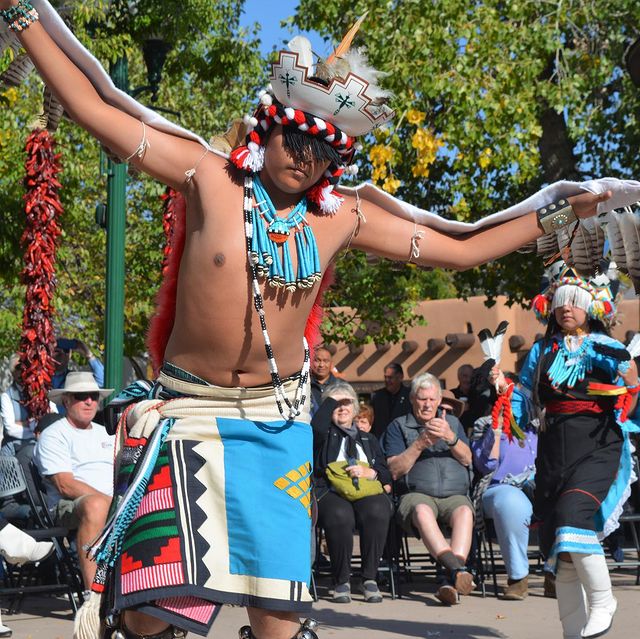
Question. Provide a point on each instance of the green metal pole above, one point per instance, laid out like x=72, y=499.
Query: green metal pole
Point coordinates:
x=116, y=217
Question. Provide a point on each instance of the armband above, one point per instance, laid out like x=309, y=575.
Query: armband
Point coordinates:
x=556, y=216
x=21, y=16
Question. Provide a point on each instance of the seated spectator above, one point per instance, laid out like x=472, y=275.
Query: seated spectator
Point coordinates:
x=364, y=419
x=464, y=374
x=391, y=401
x=17, y=425
x=429, y=457
x=504, y=493
x=17, y=435
x=75, y=455
x=336, y=439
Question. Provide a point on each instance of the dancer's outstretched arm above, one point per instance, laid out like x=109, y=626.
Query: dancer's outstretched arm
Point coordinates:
x=167, y=157
x=389, y=236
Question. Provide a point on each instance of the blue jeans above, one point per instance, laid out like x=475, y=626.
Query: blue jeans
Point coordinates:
x=511, y=511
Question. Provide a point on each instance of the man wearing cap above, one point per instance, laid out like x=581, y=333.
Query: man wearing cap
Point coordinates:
x=429, y=457
x=75, y=455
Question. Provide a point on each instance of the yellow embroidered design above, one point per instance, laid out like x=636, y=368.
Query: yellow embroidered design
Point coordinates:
x=297, y=484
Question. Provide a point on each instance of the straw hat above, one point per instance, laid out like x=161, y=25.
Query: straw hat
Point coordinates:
x=79, y=382
x=449, y=399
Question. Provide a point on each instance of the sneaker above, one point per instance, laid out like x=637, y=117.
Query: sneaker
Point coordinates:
x=342, y=593
x=448, y=595
x=517, y=589
x=371, y=591
x=463, y=581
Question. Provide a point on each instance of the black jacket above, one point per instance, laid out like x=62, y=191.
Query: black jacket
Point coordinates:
x=327, y=441
x=386, y=407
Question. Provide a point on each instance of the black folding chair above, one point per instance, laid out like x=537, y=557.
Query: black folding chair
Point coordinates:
x=25, y=580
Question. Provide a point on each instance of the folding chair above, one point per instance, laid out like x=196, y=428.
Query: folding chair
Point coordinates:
x=23, y=581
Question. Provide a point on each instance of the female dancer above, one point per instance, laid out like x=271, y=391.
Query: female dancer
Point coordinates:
x=582, y=381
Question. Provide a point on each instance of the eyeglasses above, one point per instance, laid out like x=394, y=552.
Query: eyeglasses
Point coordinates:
x=83, y=397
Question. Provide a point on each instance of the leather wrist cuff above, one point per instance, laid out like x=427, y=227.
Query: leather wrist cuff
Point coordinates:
x=556, y=216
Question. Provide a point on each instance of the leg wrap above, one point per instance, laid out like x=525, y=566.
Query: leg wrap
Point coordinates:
x=306, y=631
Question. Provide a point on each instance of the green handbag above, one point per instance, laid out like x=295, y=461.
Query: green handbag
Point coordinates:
x=342, y=483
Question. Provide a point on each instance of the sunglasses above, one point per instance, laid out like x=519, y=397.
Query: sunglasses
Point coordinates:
x=83, y=397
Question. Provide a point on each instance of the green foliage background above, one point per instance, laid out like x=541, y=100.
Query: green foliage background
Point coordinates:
x=212, y=74
x=521, y=93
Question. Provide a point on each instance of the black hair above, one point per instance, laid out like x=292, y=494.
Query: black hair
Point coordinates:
x=395, y=367
x=304, y=147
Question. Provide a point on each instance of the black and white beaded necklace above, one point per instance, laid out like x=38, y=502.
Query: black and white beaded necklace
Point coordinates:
x=280, y=396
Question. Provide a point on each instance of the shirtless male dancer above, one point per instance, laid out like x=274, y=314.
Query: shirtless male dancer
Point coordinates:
x=219, y=511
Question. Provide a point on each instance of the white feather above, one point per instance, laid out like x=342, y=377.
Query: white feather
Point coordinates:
x=302, y=47
x=616, y=243
x=491, y=345
x=360, y=66
x=630, y=230
x=634, y=346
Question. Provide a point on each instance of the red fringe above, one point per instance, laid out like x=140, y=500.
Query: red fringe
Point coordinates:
x=42, y=208
x=312, y=328
x=161, y=323
x=502, y=410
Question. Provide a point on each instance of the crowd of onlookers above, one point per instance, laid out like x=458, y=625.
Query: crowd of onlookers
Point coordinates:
x=415, y=456
x=71, y=451
x=431, y=461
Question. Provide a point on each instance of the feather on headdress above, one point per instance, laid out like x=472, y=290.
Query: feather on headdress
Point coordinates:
x=335, y=100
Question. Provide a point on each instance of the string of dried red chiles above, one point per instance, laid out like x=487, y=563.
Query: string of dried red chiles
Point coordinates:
x=168, y=221
x=42, y=208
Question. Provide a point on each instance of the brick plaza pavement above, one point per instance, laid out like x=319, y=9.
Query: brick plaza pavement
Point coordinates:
x=417, y=614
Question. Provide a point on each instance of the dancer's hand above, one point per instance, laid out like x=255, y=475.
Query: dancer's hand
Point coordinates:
x=7, y=4
x=586, y=204
x=497, y=379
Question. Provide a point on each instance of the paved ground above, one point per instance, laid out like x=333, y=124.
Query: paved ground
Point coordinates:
x=417, y=614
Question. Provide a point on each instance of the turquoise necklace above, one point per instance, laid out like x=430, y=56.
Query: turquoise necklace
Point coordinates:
x=570, y=366
x=270, y=248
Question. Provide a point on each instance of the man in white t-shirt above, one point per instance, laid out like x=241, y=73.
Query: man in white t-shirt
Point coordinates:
x=75, y=455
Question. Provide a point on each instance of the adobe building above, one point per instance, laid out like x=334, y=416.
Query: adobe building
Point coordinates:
x=449, y=339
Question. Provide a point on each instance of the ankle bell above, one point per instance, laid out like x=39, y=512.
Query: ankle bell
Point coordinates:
x=306, y=631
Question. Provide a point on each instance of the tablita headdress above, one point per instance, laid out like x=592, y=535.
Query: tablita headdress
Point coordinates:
x=564, y=286
x=336, y=100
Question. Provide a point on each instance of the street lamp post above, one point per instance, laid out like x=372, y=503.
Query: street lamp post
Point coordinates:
x=115, y=219
x=155, y=51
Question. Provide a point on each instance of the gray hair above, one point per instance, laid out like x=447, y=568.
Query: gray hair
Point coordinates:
x=425, y=380
x=340, y=388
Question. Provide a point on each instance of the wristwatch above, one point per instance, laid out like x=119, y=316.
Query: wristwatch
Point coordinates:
x=454, y=442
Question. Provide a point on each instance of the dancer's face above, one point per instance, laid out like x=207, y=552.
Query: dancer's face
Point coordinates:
x=571, y=318
x=290, y=174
